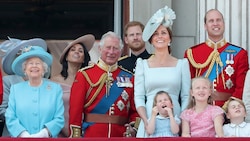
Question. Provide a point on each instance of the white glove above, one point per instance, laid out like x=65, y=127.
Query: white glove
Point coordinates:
x=42, y=134
x=24, y=134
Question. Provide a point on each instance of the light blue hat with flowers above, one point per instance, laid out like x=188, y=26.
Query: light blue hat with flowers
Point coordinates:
x=29, y=52
x=163, y=16
x=10, y=49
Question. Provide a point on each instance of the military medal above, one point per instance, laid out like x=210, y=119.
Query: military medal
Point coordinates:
x=124, y=95
x=119, y=81
x=227, y=61
x=229, y=70
x=123, y=81
x=232, y=59
x=229, y=83
x=120, y=105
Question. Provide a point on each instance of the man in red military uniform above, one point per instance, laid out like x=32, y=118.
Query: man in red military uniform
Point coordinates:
x=223, y=63
x=102, y=95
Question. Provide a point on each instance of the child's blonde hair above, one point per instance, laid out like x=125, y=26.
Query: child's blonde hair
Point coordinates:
x=225, y=106
x=159, y=93
x=192, y=103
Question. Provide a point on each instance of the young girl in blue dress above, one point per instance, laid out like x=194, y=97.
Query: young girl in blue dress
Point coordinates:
x=163, y=123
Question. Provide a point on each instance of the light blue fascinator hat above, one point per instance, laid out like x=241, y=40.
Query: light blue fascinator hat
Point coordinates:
x=163, y=16
x=29, y=52
x=12, y=47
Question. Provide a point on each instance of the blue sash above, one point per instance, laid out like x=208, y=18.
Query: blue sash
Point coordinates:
x=223, y=56
x=106, y=102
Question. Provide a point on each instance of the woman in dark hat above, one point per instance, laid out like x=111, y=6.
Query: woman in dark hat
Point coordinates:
x=35, y=107
x=74, y=57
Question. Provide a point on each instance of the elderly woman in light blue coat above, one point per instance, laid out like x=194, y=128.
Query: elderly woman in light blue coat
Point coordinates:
x=35, y=107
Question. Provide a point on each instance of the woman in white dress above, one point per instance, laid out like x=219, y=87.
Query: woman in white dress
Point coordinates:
x=161, y=71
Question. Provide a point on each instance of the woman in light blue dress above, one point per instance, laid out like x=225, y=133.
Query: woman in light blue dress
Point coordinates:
x=10, y=50
x=35, y=107
x=161, y=71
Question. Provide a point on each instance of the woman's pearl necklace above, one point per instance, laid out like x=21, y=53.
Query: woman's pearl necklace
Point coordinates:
x=37, y=85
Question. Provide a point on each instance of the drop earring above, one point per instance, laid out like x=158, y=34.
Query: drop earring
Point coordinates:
x=169, y=44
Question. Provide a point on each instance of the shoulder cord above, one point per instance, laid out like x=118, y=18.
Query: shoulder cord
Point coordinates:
x=199, y=65
x=212, y=58
x=100, y=82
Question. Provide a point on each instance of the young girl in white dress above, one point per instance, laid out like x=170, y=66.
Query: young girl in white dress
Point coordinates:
x=163, y=123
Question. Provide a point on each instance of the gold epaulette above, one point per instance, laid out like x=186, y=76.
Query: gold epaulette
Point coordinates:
x=123, y=57
x=125, y=69
x=87, y=67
